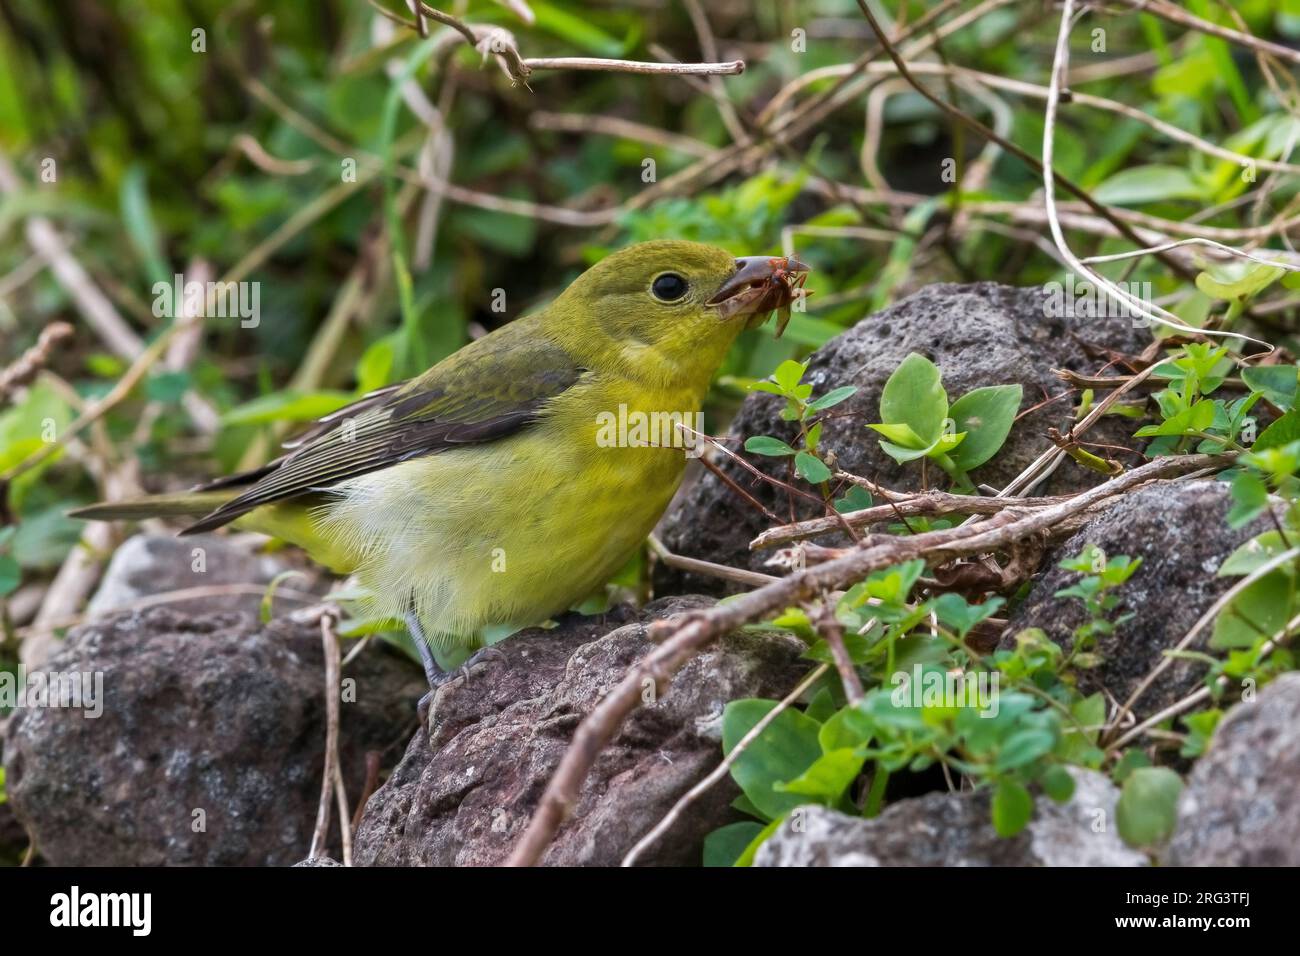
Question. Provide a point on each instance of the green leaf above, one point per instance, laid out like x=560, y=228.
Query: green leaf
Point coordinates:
x=847, y=728
x=11, y=574
x=1143, y=184
x=1012, y=808
x=1256, y=279
x=902, y=434
x=1024, y=746
x=767, y=445
x=1148, y=806
x=828, y=777
x=1253, y=554
x=1259, y=611
x=953, y=611
x=140, y=229
x=914, y=396
x=746, y=858
x=1277, y=383
x=1249, y=499
x=1195, y=419
x=1057, y=784
x=1282, y=432
x=811, y=468
x=857, y=499
x=986, y=416
x=788, y=375
x=724, y=845
x=783, y=751
x=832, y=398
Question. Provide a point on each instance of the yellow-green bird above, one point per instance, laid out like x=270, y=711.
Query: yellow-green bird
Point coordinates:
x=487, y=494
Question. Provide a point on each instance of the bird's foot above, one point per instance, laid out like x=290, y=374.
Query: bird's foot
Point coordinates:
x=477, y=662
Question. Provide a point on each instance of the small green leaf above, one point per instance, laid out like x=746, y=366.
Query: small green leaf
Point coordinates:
x=1282, y=432
x=783, y=751
x=1148, y=806
x=857, y=499
x=1012, y=808
x=1249, y=499
x=1255, y=279
x=1255, y=553
x=903, y=435
x=1259, y=611
x=724, y=845
x=832, y=398
x=914, y=396
x=986, y=416
x=811, y=468
x=1058, y=784
x=828, y=777
x=11, y=574
x=1277, y=383
x=1143, y=184
x=788, y=375
x=767, y=445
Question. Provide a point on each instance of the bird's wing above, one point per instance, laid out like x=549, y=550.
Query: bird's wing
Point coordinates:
x=484, y=392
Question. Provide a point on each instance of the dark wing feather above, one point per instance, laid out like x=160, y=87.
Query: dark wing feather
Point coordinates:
x=488, y=390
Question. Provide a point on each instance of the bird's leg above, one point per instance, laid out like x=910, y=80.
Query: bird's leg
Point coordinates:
x=435, y=675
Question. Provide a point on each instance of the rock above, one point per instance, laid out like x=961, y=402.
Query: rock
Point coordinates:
x=981, y=334
x=149, y=564
x=318, y=861
x=213, y=714
x=953, y=829
x=1239, y=806
x=465, y=798
x=1180, y=532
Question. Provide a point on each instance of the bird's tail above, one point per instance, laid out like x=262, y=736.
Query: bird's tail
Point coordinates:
x=185, y=504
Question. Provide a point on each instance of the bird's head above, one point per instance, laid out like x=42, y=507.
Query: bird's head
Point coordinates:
x=678, y=302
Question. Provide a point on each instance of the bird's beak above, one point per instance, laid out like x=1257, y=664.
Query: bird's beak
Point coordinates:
x=760, y=284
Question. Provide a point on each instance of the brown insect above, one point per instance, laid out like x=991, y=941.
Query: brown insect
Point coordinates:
x=763, y=285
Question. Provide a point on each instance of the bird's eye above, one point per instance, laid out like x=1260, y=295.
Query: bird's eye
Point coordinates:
x=668, y=287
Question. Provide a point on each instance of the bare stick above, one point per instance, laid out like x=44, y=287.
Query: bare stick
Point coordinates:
x=24, y=369
x=330, y=646
x=730, y=68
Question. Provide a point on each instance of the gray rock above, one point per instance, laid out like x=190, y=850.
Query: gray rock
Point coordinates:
x=1239, y=807
x=498, y=737
x=1180, y=532
x=212, y=714
x=149, y=564
x=953, y=829
x=981, y=334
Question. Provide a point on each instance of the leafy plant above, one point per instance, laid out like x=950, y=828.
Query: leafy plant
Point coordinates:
x=1096, y=589
x=805, y=412
x=917, y=422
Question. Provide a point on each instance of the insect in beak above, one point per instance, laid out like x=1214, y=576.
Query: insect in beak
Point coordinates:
x=759, y=286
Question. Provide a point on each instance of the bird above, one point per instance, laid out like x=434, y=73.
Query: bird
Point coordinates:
x=490, y=493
